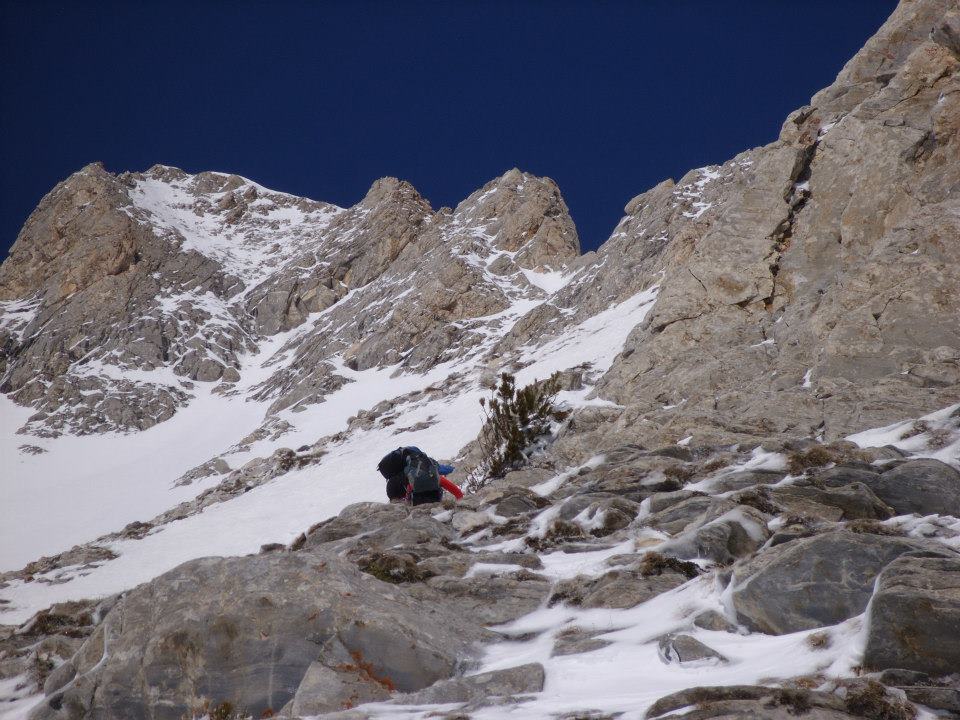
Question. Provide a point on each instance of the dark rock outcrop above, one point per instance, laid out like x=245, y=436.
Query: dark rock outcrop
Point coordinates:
x=914, y=617
x=920, y=486
x=813, y=582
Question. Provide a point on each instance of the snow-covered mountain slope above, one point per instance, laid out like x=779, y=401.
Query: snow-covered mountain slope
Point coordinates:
x=415, y=331
x=196, y=365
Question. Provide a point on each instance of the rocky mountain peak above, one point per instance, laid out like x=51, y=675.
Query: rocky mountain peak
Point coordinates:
x=77, y=236
x=196, y=267
x=525, y=215
x=914, y=26
x=391, y=189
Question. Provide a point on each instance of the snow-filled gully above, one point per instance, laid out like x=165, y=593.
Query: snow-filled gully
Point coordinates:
x=82, y=488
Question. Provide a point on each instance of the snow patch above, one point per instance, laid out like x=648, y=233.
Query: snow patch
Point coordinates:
x=935, y=435
x=596, y=341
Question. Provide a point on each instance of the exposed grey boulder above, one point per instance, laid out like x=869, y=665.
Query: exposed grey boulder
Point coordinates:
x=679, y=648
x=520, y=680
x=576, y=504
x=247, y=631
x=803, y=506
x=749, y=701
x=745, y=479
x=842, y=475
x=326, y=686
x=661, y=501
x=901, y=677
x=712, y=620
x=457, y=564
x=920, y=486
x=914, y=618
x=519, y=501
x=721, y=538
x=382, y=526
x=620, y=588
x=613, y=515
x=468, y=521
x=804, y=528
x=677, y=516
x=813, y=582
x=854, y=501
x=603, y=513
x=356, y=519
x=946, y=699
x=527, y=477
x=574, y=641
x=488, y=600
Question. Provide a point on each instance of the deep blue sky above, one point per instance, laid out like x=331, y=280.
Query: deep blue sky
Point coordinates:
x=320, y=99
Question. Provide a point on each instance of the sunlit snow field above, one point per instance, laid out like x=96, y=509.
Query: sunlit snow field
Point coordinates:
x=85, y=487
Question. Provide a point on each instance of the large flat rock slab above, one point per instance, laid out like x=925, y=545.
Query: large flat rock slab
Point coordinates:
x=250, y=631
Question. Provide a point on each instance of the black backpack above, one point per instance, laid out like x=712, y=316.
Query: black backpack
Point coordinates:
x=391, y=467
x=423, y=476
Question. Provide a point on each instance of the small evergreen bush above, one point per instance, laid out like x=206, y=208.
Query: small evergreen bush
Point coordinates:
x=518, y=422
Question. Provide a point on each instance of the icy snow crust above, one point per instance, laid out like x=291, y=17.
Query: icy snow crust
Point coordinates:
x=627, y=676
x=16, y=315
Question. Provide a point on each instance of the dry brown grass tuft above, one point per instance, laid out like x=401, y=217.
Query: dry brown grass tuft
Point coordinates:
x=817, y=456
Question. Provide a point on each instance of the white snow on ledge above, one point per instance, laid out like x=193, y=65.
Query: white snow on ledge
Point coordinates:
x=936, y=435
x=17, y=314
x=595, y=342
x=549, y=281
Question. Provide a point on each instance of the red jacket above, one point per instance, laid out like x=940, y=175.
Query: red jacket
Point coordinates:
x=450, y=487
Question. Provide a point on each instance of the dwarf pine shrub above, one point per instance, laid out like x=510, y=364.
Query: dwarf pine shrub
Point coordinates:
x=518, y=422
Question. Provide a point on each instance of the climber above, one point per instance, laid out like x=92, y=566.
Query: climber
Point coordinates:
x=414, y=477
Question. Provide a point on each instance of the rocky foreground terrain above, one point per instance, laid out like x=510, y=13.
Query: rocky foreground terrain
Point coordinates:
x=750, y=511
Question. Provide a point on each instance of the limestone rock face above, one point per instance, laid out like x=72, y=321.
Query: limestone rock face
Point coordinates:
x=808, y=286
